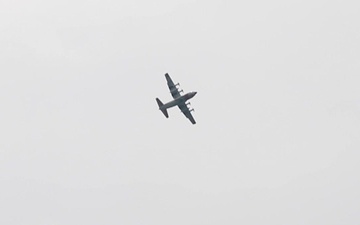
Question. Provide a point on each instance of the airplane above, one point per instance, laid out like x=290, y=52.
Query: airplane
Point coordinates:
x=179, y=100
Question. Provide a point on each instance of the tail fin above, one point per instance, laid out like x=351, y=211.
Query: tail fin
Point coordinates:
x=160, y=107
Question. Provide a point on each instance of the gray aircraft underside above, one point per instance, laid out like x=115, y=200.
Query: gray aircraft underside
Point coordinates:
x=179, y=100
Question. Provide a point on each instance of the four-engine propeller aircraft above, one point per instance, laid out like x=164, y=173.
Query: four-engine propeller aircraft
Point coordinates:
x=179, y=100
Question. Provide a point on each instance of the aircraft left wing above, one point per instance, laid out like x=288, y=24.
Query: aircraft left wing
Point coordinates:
x=173, y=87
x=184, y=109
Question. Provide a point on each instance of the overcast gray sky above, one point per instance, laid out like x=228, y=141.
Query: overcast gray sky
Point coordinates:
x=277, y=138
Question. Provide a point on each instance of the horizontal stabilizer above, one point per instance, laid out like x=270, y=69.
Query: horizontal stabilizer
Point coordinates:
x=163, y=110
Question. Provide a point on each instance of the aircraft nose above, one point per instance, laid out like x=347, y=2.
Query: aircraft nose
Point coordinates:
x=195, y=92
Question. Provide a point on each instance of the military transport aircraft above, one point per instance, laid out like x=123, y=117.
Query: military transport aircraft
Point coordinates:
x=179, y=100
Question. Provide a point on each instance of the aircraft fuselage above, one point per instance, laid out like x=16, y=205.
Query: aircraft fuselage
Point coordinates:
x=179, y=100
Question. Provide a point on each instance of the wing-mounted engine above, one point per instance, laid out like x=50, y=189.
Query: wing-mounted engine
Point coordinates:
x=176, y=89
x=191, y=109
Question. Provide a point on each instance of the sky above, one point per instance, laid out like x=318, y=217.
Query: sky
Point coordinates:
x=277, y=137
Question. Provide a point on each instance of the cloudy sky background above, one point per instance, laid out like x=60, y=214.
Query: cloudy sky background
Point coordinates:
x=277, y=138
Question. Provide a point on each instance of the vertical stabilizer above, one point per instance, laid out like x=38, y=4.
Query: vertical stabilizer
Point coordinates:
x=163, y=110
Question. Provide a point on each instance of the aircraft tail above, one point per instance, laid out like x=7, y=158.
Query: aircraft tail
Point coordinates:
x=163, y=110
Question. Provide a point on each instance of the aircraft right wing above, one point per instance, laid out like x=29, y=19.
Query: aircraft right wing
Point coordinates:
x=173, y=88
x=184, y=109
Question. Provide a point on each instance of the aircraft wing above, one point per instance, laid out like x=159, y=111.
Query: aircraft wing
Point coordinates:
x=184, y=109
x=173, y=89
